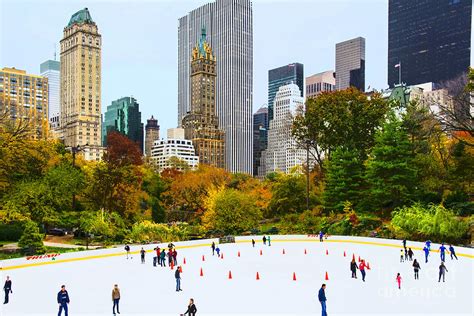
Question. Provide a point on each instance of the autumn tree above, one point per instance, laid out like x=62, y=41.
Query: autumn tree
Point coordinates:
x=121, y=151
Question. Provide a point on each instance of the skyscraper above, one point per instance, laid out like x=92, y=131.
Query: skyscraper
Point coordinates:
x=281, y=76
x=321, y=82
x=51, y=69
x=229, y=32
x=431, y=40
x=350, y=64
x=80, y=98
x=260, y=136
x=124, y=116
x=152, y=133
x=201, y=123
x=282, y=153
x=25, y=96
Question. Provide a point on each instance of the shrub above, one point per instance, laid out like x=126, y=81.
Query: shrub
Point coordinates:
x=147, y=231
x=11, y=231
x=31, y=241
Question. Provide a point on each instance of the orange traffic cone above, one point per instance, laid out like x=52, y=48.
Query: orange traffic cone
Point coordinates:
x=230, y=275
x=327, y=277
x=222, y=255
x=283, y=252
x=201, y=274
x=294, y=276
x=353, y=257
x=203, y=258
x=305, y=251
x=238, y=254
x=258, y=276
x=180, y=269
x=359, y=258
x=184, y=261
x=344, y=253
x=327, y=253
x=260, y=252
x=368, y=266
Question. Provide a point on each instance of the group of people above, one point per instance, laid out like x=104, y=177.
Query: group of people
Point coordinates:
x=361, y=267
x=215, y=249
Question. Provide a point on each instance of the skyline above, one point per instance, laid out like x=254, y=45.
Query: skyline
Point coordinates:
x=146, y=67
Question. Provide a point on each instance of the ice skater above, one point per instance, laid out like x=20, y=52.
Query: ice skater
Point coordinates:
x=410, y=254
x=163, y=258
x=362, y=267
x=115, y=298
x=428, y=244
x=321, y=236
x=442, y=271
x=269, y=241
x=354, y=268
x=191, y=311
x=170, y=256
x=442, y=252
x=63, y=300
x=177, y=275
x=406, y=254
x=399, y=281
x=213, y=247
x=253, y=243
x=8, y=289
x=401, y=255
x=427, y=253
x=322, y=299
x=404, y=242
x=142, y=255
x=452, y=252
x=416, y=268
x=127, y=249
x=218, y=250
x=175, y=257
x=264, y=240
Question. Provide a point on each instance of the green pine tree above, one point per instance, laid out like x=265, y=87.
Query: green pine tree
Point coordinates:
x=391, y=172
x=344, y=179
x=31, y=241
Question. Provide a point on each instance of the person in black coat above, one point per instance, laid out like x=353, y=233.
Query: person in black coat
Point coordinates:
x=410, y=254
x=177, y=275
x=8, y=289
x=191, y=308
x=322, y=299
x=213, y=246
x=63, y=300
x=354, y=268
x=416, y=268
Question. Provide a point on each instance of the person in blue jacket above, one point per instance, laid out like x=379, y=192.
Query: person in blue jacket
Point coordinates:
x=218, y=250
x=63, y=300
x=321, y=235
x=442, y=252
x=428, y=244
x=452, y=252
x=322, y=299
x=427, y=253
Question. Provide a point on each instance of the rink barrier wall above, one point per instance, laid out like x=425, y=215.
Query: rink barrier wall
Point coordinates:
x=19, y=263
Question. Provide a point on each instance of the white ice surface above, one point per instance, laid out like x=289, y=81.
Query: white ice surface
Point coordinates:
x=148, y=290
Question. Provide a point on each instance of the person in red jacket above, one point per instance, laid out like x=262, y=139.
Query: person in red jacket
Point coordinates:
x=399, y=280
x=362, y=267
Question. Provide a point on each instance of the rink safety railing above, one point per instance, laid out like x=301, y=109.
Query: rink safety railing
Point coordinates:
x=309, y=238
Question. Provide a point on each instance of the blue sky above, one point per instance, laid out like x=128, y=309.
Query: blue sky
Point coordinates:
x=139, y=52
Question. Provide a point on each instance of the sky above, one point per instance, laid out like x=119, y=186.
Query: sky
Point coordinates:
x=140, y=39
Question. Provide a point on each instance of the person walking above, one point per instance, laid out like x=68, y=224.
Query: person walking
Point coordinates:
x=177, y=275
x=452, y=252
x=115, y=298
x=218, y=250
x=354, y=268
x=264, y=240
x=442, y=271
x=428, y=244
x=406, y=254
x=427, y=253
x=322, y=299
x=269, y=241
x=321, y=236
x=410, y=254
x=8, y=289
x=416, y=268
x=401, y=255
x=362, y=267
x=253, y=243
x=127, y=249
x=63, y=300
x=192, y=310
x=213, y=246
x=442, y=252
x=399, y=281
x=142, y=255
x=163, y=258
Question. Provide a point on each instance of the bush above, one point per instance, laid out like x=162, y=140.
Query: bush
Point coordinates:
x=147, y=231
x=433, y=222
x=11, y=231
x=31, y=241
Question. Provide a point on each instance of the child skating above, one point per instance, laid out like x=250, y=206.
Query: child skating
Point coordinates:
x=399, y=281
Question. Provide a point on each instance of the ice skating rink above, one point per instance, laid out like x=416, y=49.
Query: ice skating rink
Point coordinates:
x=147, y=290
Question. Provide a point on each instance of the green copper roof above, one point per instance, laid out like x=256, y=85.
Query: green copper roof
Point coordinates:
x=81, y=16
x=202, y=51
